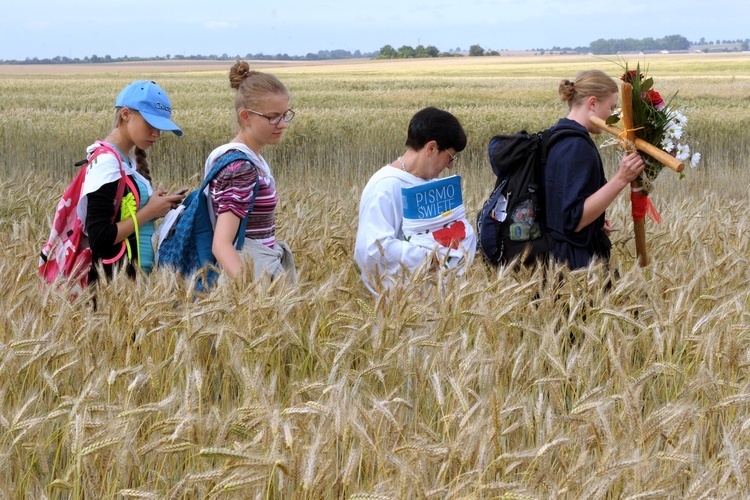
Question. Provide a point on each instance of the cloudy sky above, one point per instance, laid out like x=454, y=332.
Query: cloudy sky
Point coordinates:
x=145, y=28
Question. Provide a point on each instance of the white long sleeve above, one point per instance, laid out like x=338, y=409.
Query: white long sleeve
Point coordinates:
x=380, y=223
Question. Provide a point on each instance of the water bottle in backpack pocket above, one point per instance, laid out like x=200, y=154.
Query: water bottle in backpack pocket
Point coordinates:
x=516, y=231
x=524, y=225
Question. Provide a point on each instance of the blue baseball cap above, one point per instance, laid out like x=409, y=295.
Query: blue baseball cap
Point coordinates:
x=151, y=102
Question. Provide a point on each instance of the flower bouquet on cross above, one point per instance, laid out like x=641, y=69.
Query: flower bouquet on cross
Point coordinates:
x=651, y=125
x=656, y=122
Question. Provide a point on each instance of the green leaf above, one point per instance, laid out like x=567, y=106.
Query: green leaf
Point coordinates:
x=647, y=84
x=612, y=119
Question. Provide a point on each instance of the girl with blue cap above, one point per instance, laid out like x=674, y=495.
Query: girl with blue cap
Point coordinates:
x=119, y=217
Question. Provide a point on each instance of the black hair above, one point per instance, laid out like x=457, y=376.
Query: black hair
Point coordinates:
x=433, y=124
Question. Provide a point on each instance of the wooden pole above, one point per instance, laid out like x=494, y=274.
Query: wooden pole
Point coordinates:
x=627, y=111
x=629, y=140
x=639, y=223
x=639, y=232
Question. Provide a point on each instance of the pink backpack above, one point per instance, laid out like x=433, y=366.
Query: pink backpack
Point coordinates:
x=66, y=253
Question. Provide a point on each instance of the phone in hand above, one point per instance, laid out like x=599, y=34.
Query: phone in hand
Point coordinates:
x=182, y=191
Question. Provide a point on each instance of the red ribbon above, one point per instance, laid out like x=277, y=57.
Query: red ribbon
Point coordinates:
x=641, y=206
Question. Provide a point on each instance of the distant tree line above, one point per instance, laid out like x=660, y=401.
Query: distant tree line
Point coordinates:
x=723, y=45
x=613, y=46
x=407, y=52
x=320, y=55
x=601, y=46
x=668, y=43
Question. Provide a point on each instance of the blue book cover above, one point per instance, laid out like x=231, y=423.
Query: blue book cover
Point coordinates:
x=433, y=198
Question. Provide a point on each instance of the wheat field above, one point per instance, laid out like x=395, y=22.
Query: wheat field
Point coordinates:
x=495, y=384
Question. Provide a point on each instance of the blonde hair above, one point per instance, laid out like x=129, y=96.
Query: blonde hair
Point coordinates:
x=587, y=83
x=141, y=157
x=252, y=86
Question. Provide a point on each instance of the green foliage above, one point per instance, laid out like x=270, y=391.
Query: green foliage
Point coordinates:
x=476, y=50
x=386, y=52
x=406, y=52
x=614, y=46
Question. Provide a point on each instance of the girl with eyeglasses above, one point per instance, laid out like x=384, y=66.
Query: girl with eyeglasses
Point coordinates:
x=245, y=189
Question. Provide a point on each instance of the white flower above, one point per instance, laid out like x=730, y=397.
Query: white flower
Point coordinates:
x=667, y=144
x=679, y=118
x=673, y=130
x=683, y=152
x=694, y=160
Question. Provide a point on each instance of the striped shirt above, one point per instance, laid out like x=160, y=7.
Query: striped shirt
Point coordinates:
x=232, y=191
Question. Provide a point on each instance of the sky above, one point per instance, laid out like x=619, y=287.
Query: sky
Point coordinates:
x=148, y=28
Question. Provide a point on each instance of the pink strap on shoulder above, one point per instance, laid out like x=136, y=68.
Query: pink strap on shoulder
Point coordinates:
x=104, y=147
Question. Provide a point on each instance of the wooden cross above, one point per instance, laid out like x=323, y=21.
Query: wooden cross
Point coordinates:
x=630, y=141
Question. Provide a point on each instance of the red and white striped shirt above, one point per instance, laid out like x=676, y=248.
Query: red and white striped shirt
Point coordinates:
x=232, y=191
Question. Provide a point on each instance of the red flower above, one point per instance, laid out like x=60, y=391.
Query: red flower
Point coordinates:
x=630, y=76
x=451, y=235
x=655, y=99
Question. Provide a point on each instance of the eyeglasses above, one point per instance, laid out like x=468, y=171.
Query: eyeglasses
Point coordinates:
x=454, y=158
x=274, y=120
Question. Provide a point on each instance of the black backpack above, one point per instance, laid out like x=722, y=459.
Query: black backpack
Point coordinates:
x=512, y=221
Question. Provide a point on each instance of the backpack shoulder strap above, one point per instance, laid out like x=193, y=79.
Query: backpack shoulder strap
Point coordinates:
x=103, y=147
x=243, y=224
x=222, y=161
x=227, y=158
x=549, y=137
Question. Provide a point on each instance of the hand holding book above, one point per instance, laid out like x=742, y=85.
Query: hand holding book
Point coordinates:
x=435, y=218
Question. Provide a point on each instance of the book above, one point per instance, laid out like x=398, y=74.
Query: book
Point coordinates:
x=432, y=199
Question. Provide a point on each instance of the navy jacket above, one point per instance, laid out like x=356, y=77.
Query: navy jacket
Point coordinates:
x=574, y=171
